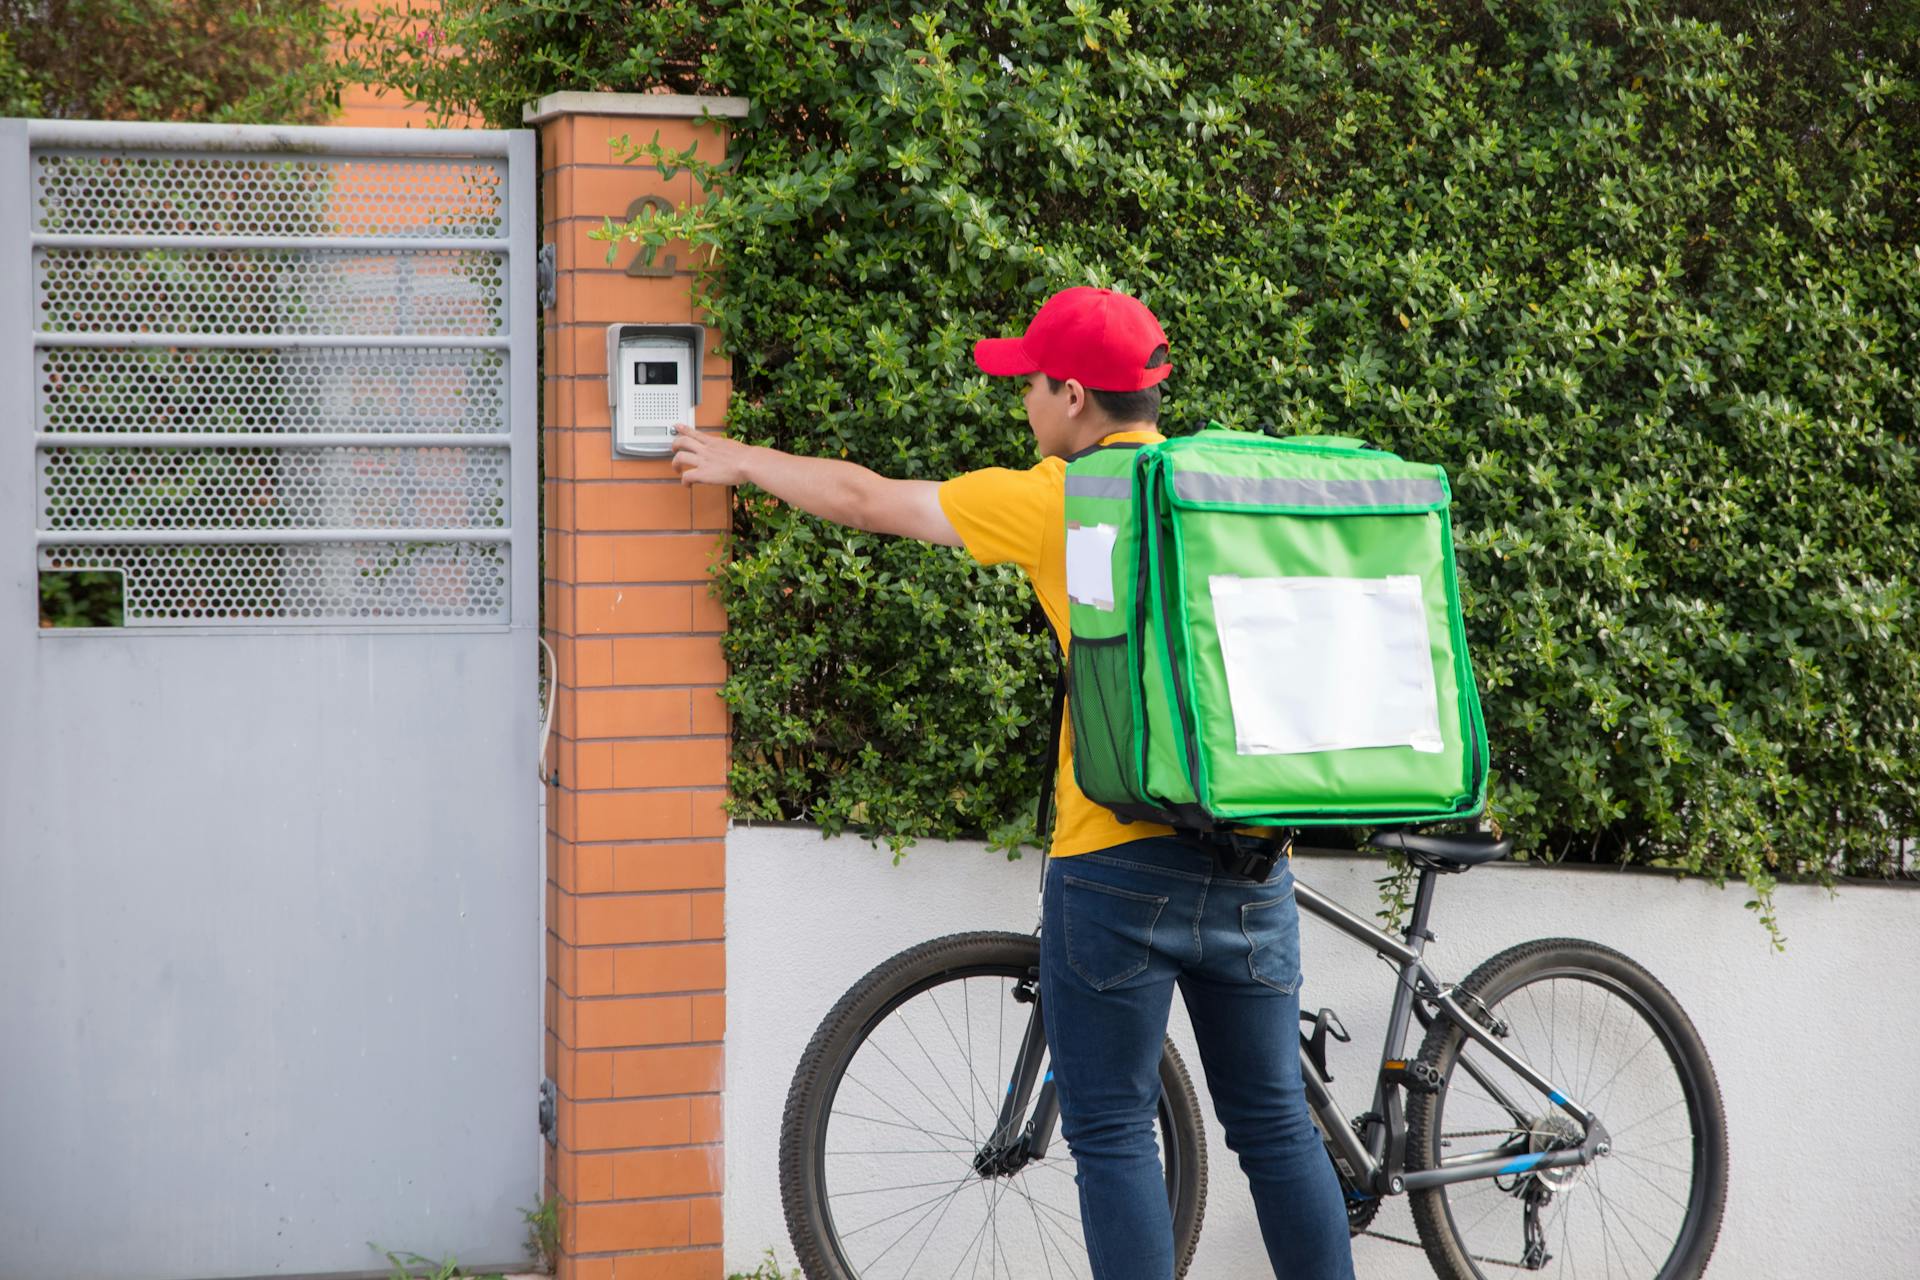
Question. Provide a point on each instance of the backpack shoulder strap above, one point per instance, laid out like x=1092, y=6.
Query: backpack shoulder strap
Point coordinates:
x=1050, y=769
x=1098, y=448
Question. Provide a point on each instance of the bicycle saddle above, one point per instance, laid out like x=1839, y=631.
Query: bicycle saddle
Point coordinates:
x=1444, y=853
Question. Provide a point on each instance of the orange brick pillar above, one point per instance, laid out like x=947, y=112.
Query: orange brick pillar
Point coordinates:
x=636, y=1000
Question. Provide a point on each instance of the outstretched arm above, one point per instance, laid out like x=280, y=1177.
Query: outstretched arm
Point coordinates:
x=842, y=492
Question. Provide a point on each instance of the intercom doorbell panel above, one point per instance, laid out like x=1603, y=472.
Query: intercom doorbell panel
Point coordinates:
x=653, y=382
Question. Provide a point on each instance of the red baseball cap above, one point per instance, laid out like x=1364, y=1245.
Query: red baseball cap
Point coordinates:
x=1102, y=338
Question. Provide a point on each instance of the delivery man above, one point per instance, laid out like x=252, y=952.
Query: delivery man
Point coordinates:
x=1129, y=911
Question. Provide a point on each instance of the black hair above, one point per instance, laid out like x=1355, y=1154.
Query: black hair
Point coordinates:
x=1127, y=406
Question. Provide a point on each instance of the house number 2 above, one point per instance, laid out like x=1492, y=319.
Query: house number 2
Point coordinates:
x=639, y=267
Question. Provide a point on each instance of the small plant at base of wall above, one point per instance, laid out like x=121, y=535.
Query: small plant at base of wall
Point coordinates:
x=768, y=1269
x=404, y=1265
x=543, y=1233
x=543, y=1247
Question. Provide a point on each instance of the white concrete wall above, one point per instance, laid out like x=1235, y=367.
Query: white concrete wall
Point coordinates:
x=1817, y=1049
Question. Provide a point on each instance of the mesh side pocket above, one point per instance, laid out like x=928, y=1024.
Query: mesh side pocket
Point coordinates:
x=1100, y=709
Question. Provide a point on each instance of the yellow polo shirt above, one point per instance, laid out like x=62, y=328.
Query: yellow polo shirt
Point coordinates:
x=1020, y=517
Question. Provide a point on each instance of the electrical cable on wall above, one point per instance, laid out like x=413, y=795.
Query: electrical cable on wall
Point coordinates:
x=546, y=705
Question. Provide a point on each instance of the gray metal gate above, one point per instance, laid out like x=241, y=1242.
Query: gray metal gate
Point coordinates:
x=270, y=880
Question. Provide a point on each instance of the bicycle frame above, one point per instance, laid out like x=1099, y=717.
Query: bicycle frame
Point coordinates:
x=1377, y=1164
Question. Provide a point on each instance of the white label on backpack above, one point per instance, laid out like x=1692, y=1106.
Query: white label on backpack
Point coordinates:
x=1090, y=564
x=1326, y=664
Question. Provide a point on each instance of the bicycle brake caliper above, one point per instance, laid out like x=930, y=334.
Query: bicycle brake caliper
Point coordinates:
x=1478, y=1008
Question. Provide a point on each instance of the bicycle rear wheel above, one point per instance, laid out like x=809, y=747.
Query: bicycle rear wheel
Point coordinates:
x=1601, y=1027
x=896, y=1096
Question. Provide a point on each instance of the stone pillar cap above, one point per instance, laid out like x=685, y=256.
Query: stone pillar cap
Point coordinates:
x=678, y=105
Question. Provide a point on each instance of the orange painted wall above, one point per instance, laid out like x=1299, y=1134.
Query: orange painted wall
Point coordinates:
x=364, y=107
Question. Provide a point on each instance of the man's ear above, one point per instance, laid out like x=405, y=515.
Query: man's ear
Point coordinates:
x=1077, y=397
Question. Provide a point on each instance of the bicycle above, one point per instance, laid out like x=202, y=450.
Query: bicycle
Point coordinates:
x=1508, y=1166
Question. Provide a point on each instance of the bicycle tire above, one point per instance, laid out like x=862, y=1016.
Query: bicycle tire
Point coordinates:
x=1615, y=1229
x=853, y=1023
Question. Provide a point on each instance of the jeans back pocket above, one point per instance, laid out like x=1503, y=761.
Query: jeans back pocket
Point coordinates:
x=1109, y=930
x=1272, y=927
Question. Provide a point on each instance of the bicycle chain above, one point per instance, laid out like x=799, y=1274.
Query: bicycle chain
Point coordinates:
x=1415, y=1244
x=1488, y=1133
x=1381, y=1235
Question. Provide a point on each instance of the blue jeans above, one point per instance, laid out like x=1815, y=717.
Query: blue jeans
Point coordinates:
x=1119, y=928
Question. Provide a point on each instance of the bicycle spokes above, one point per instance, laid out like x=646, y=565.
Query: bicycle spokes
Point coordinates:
x=925, y=1162
x=1616, y=1216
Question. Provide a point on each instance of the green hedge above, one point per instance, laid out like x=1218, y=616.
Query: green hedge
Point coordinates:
x=183, y=60
x=1647, y=285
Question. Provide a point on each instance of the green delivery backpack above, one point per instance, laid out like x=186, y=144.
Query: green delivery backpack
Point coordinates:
x=1267, y=632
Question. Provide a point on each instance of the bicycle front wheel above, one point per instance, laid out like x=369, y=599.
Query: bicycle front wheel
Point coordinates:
x=896, y=1099
x=1606, y=1032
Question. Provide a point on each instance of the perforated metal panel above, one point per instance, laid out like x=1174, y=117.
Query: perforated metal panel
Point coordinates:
x=349, y=293
x=363, y=581
x=160, y=193
x=216, y=488
x=266, y=391
x=360, y=298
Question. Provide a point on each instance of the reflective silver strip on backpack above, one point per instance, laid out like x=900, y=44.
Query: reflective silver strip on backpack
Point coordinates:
x=1289, y=491
x=1099, y=487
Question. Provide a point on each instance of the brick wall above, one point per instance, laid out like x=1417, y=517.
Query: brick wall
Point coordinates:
x=636, y=1004
x=367, y=107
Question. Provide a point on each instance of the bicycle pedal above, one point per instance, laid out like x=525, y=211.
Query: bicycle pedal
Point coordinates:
x=1414, y=1077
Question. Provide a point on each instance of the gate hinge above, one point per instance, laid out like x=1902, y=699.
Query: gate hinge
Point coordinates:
x=549, y=1113
x=547, y=275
